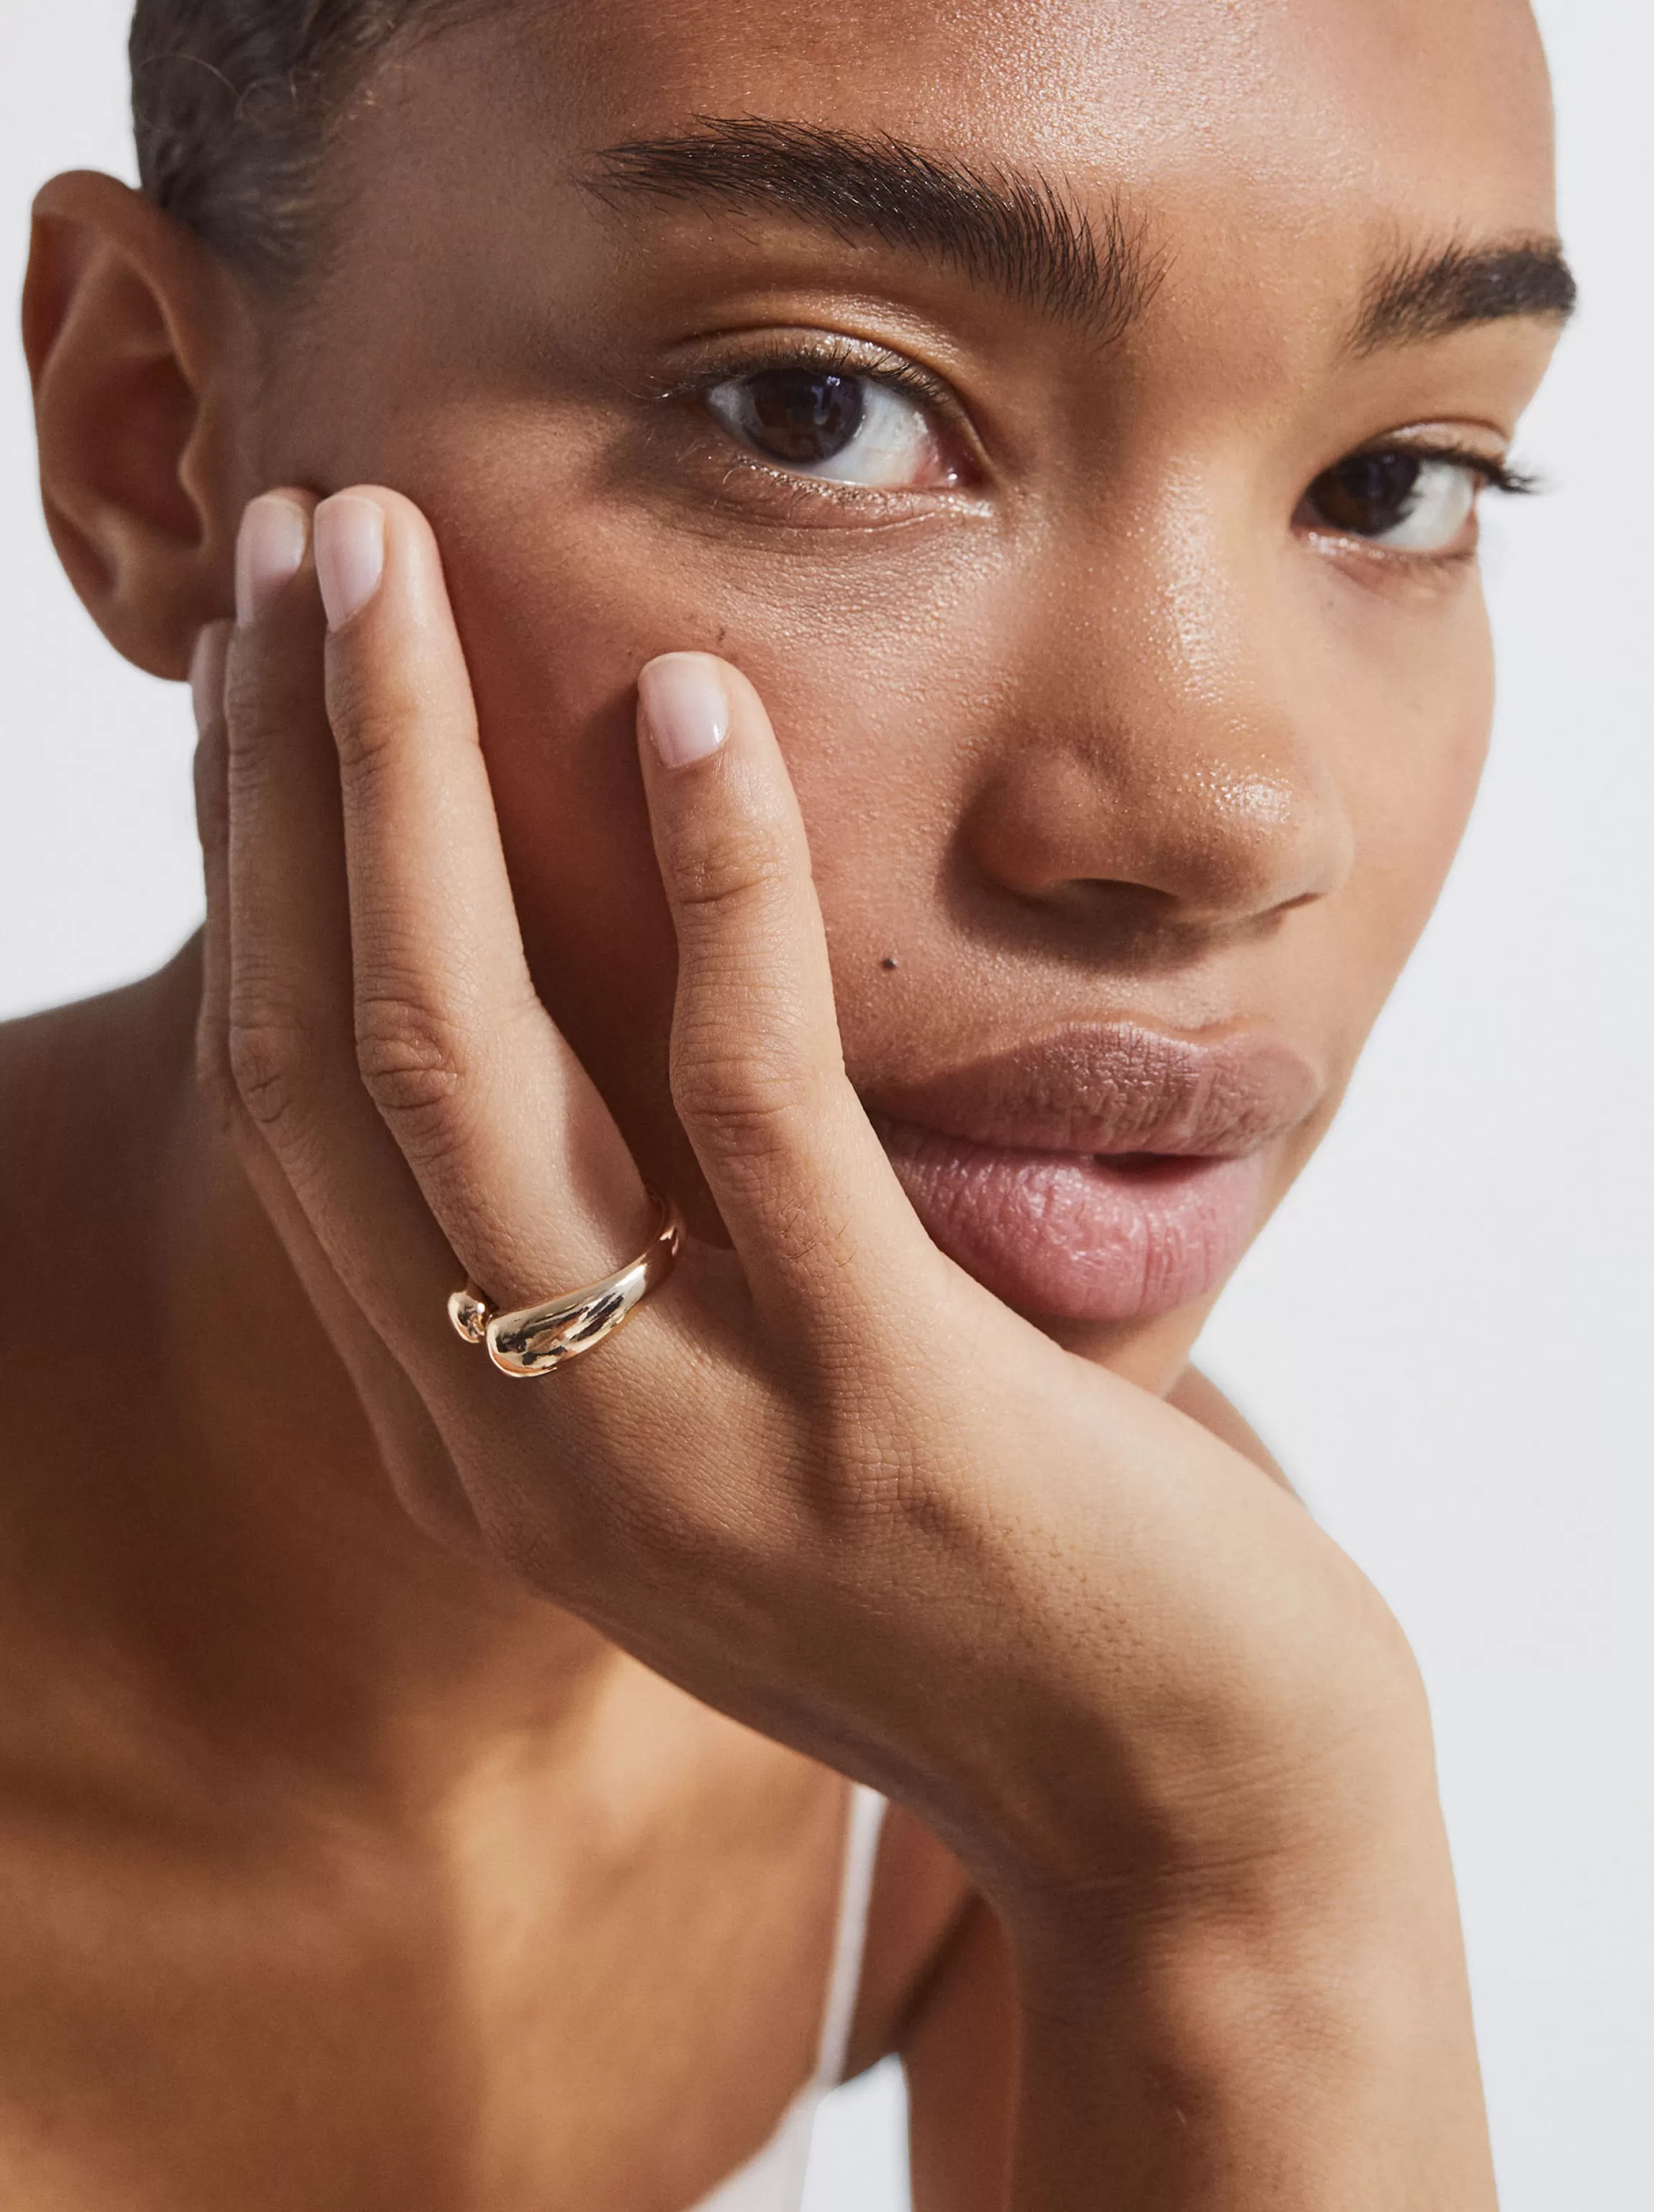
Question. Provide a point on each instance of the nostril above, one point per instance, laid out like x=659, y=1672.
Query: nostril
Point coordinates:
x=1144, y=836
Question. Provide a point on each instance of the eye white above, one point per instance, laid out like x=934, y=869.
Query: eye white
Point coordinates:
x=1438, y=507
x=891, y=446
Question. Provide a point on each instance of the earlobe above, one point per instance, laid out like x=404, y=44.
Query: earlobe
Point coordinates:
x=139, y=345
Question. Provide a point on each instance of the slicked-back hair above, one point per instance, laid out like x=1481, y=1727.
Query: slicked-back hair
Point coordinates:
x=233, y=101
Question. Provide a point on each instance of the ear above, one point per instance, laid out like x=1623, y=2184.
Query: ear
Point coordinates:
x=141, y=346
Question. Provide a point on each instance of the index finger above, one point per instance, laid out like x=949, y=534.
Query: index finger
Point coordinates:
x=820, y=1222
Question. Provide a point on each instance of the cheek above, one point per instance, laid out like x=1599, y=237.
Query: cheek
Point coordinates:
x=867, y=667
x=1415, y=785
x=1410, y=774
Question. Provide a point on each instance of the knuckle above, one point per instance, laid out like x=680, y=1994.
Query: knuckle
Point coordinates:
x=734, y=865
x=214, y=1077
x=410, y=1061
x=741, y=1098
x=267, y=1049
x=740, y=1136
x=369, y=717
x=248, y=706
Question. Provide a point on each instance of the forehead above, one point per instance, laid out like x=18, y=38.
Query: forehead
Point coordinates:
x=1386, y=109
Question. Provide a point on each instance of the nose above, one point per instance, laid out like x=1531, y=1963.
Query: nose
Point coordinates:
x=1167, y=755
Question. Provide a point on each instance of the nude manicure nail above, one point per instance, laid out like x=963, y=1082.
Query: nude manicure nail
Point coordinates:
x=349, y=554
x=268, y=553
x=685, y=707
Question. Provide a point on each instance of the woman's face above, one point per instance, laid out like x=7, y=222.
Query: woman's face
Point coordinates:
x=1019, y=480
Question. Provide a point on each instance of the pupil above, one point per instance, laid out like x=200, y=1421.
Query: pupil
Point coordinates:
x=804, y=413
x=1370, y=493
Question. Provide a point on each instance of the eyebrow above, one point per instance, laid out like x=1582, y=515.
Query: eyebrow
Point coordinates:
x=1010, y=229
x=1422, y=294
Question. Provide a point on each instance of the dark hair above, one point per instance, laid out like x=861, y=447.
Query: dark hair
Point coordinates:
x=233, y=102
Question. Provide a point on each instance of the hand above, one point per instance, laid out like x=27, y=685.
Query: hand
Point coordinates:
x=824, y=1480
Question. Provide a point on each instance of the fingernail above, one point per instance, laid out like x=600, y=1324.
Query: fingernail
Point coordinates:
x=685, y=707
x=268, y=553
x=207, y=676
x=349, y=554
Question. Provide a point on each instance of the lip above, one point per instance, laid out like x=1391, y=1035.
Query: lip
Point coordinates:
x=1102, y=1174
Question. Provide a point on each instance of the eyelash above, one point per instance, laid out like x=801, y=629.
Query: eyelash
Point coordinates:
x=1499, y=475
x=830, y=356
x=840, y=357
x=1496, y=476
x=833, y=356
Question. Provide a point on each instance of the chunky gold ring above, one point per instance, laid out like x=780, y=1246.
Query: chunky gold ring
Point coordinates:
x=537, y=1338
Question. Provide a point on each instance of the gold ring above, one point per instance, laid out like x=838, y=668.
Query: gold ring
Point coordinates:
x=537, y=1338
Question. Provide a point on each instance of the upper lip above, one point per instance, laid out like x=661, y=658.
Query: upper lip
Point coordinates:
x=1113, y=1088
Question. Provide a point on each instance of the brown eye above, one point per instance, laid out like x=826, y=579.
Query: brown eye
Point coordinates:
x=801, y=416
x=834, y=425
x=1409, y=502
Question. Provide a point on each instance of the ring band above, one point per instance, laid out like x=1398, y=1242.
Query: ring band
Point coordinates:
x=537, y=1338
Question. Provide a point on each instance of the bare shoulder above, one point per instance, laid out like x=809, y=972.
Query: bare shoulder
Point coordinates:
x=1198, y=1396
x=111, y=1053
x=35, y=1053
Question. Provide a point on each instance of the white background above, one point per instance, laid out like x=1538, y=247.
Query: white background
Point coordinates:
x=1446, y=1333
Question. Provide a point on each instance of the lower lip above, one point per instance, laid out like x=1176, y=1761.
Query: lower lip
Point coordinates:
x=1077, y=1237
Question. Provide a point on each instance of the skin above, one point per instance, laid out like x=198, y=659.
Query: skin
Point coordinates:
x=416, y=1766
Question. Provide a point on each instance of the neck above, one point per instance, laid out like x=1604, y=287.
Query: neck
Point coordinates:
x=225, y=1525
